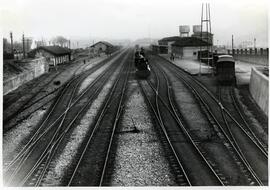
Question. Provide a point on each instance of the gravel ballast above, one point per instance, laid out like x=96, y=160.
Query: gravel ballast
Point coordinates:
x=14, y=139
x=61, y=164
x=199, y=127
x=94, y=75
x=139, y=158
x=64, y=73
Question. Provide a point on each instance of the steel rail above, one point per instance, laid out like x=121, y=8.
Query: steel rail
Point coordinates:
x=234, y=141
x=25, y=106
x=118, y=114
x=164, y=129
x=66, y=110
x=221, y=106
x=179, y=122
x=29, y=150
x=247, y=165
x=35, y=137
x=237, y=107
x=99, y=119
x=166, y=135
x=58, y=140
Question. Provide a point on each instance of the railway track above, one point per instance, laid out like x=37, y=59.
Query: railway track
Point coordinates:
x=195, y=171
x=27, y=103
x=74, y=79
x=227, y=97
x=30, y=102
x=7, y=118
x=95, y=151
x=246, y=144
x=257, y=175
x=40, y=149
x=244, y=123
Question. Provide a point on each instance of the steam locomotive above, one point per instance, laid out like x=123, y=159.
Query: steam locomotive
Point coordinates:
x=141, y=64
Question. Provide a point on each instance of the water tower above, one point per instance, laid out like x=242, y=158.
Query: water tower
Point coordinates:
x=197, y=29
x=184, y=30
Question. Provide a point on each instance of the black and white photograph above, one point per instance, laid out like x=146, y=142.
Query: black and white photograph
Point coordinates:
x=134, y=93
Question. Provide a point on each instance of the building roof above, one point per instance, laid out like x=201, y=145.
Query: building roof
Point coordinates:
x=189, y=42
x=103, y=42
x=154, y=45
x=168, y=39
x=204, y=33
x=225, y=58
x=55, y=50
x=185, y=41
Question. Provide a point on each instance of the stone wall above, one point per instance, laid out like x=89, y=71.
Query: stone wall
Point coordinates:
x=258, y=88
x=39, y=66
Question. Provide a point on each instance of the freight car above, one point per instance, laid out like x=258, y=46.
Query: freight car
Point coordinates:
x=225, y=69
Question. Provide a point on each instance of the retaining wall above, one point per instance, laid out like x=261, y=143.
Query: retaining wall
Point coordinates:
x=39, y=67
x=255, y=59
x=258, y=88
x=251, y=55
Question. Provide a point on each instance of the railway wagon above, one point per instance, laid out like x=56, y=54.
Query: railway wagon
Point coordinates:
x=225, y=69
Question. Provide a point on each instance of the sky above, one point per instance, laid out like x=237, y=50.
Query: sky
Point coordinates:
x=133, y=19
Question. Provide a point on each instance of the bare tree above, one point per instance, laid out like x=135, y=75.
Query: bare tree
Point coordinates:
x=60, y=40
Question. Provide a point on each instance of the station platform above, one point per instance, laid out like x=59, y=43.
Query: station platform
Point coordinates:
x=192, y=66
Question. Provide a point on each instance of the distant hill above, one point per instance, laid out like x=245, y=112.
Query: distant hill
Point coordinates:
x=119, y=42
x=86, y=42
x=145, y=41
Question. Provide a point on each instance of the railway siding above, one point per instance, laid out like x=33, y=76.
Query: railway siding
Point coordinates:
x=213, y=145
x=65, y=157
x=36, y=146
x=91, y=159
x=41, y=91
x=191, y=162
x=98, y=130
x=91, y=77
x=258, y=125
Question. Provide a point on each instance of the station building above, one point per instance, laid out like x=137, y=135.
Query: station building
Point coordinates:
x=184, y=45
x=188, y=47
x=54, y=54
x=102, y=47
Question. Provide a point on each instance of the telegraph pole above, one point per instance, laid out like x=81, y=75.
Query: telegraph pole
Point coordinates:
x=232, y=44
x=207, y=35
x=27, y=45
x=211, y=38
x=254, y=43
x=201, y=40
x=11, y=41
x=23, y=46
